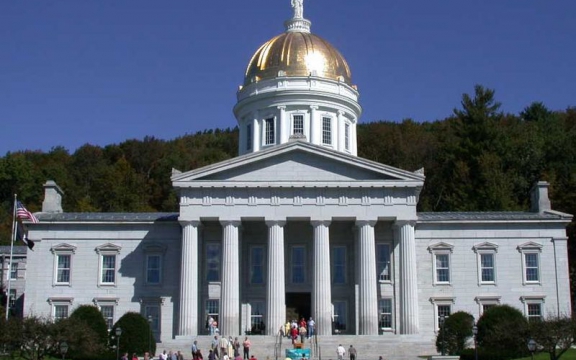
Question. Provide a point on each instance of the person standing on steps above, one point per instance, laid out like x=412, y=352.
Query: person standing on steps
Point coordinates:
x=246, y=345
x=340, y=351
x=352, y=352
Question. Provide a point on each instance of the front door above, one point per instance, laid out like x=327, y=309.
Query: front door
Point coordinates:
x=298, y=306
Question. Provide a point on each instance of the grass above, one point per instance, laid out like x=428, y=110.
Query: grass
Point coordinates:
x=568, y=355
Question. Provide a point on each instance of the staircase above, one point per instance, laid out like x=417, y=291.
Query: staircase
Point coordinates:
x=369, y=347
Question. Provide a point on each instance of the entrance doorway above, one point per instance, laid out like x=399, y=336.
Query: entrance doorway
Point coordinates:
x=298, y=306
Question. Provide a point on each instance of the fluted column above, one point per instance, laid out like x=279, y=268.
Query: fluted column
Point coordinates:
x=256, y=134
x=284, y=126
x=314, y=126
x=275, y=284
x=408, y=279
x=321, y=283
x=368, y=306
x=188, y=317
x=230, y=296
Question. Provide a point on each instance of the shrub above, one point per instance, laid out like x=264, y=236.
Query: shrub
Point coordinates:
x=503, y=329
x=455, y=332
x=92, y=318
x=136, y=334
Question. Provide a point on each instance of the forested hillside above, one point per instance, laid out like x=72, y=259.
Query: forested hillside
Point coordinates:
x=476, y=159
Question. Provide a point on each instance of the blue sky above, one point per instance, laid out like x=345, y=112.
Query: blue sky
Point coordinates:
x=103, y=71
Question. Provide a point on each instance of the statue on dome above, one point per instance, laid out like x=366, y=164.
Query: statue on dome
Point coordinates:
x=298, y=6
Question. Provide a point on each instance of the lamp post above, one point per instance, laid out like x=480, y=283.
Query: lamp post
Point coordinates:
x=63, y=349
x=118, y=334
x=532, y=347
x=442, y=318
x=150, y=334
x=475, y=333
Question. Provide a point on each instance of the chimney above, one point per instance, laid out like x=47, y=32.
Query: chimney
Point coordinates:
x=52, y=198
x=539, y=197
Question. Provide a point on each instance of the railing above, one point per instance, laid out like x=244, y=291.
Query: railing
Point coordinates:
x=278, y=346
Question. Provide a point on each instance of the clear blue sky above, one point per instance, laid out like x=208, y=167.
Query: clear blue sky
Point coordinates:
x=103, y=71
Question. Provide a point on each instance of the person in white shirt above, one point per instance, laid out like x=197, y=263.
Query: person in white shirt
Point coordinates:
x=340, y=351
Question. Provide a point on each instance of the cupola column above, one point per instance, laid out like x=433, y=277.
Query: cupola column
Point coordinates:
x=314, y=127
x=368, y=307
x=275, y=283
x=230, y=293
x=284, y=126
x=408, y=278
x=256, y=138
x=188, y=320
x=321, y=282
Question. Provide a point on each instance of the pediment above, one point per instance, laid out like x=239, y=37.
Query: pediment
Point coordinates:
x=530, y=245
x=108, y=248
x=63, y=248
x=297, y=162
x=440, y=246
x=485, y=246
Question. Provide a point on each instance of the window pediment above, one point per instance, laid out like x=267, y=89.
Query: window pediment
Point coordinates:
x=442, y=300
x=441, y=246
x=533, y=298
x=486, y=246
x=530, y=245
x=108, y=248
x=60, y=300
x=156, y=248
x=492, y=299
x=105, y=300
x=63, y=248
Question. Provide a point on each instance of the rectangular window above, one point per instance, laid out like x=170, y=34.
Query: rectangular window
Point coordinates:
x=213, y=311
x=108, y=269
x=12, y=298
x=443, y=312
x=257, y=265
x=108, y=314
x=256, y=317
x=385, y=321
x=249, y=137
x=153, y=269
x=153, y=312
x=534, y=312
x=442, y=268
x=298, y=125
x=532, y=267
x=269, y=133
x=326, y=131
x=63, y=270
x=487, y=306
x=347, y=137
x=487, y=267
x=383, y=261
x=213, y=262
x=298, y=263
x=339, y=265
x=340, y=317
x=14, y=271
x=60, y=312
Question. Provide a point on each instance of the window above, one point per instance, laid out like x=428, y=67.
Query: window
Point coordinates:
x=152, y=311
x=339, y=265
x=340, y=317
x=298, y=125
x=153, y=269
x=486, y=253
x=383, y=261
x=108, y=314
x=256, y=317
x=533, y=307
x=269, y=133
x=326, y=131
x=441, y=261
x=62, y=264
x=385, y=311
x=213, y=262
x=107, y=272
x=442, y=309
x=298, y=262
x=108, y=269
x=257, y=265
x=530, y=262
x=13, y=270
x=60, y=307
x=213, y=310
x=60, y=312
x=347, y=137
x=485, y=302
x=12, y=298
x=249, y=137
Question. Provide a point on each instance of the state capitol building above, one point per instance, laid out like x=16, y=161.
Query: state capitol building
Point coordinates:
x=298, y=226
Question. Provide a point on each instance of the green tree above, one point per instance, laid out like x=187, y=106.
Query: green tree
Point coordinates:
x=89, y=316
x=504, y=329
x=455, y=332
x=554, y=334
x=136, y=334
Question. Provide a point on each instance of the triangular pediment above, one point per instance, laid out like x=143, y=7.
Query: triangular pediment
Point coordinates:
x=297, y=162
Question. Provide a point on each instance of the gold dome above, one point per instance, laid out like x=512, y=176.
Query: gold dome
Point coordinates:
x=297, y=54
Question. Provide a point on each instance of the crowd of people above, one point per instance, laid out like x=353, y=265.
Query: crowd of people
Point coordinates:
x=299, y=329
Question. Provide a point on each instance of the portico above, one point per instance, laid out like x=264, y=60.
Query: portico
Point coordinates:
x=297, y=226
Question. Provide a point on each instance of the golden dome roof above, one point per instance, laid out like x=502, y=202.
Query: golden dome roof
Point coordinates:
x=297, y=53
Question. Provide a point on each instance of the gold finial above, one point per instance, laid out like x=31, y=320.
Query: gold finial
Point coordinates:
x=298, y=6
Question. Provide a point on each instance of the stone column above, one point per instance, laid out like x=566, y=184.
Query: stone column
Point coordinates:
x=340, y=135
x=321, y=283
x=368, y=306
x=284, y=126
x=256, y=134
x=314, y=127
x=188, y=317
x=230, y=297
x=408, y=279
x=275, y=282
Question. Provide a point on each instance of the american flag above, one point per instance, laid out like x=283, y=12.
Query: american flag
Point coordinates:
x=23, y=214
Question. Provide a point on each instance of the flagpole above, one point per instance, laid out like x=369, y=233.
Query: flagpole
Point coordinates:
x=11, y=253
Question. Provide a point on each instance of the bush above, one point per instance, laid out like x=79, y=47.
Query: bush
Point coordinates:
x=454, y=333
x=487, y=354
x=92, y=318
x=136, y=334
x=503, y=329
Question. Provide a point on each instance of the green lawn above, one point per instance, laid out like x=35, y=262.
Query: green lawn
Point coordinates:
x=568, y=355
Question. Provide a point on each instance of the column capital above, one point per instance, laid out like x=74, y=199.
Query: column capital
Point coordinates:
x=364, y=222
x=191, y=222
x=271, y=223
x=281, y=107
x=341, y=112
x=233, y=222
x=314, y=107
x=318, y=222
x=400, y=222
